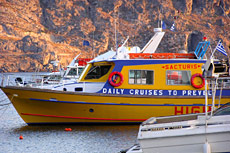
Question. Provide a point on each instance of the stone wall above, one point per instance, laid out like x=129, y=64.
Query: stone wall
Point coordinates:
x=33, y=33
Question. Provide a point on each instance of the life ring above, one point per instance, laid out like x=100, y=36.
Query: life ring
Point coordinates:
x=113, y=82
x=193, y=83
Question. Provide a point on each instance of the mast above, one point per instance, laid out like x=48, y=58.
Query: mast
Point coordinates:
x=115, y=34
x=116, y=16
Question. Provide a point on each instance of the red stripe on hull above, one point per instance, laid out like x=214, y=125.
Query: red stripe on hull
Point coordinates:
x=87, y=118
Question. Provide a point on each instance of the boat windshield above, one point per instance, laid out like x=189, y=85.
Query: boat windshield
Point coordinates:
x=98, y=71
x=223, y=110
x=80, y=70
x=72, y=72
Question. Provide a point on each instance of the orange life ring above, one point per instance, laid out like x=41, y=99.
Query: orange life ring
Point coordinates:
x=113, y=82
x=193, y=83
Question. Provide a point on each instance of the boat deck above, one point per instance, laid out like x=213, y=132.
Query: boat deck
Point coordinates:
x=162, y=56
x=170, y=119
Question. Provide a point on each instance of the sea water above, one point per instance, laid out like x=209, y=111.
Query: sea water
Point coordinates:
x=54, y=139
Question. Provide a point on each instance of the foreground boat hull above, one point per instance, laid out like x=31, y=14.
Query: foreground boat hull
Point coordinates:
x=191, y=141
x=41, y=106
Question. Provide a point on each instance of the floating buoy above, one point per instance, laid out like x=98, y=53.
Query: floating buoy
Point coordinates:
x=21, y=137
x=68, y=129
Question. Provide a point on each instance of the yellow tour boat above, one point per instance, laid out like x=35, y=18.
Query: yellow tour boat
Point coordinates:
x=126, y=86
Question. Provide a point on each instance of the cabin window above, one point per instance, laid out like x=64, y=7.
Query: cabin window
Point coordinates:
x=80, y=70
x=140, y=77
x=97, y=72
x=178, y=77
x=72, y=71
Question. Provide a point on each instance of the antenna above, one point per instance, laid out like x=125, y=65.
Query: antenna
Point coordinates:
x=115, y=34
x=116, y=16
x=93, y=45
x=159, y=18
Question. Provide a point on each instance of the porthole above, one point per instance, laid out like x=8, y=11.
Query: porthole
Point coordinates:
x=78, y=89
x=91, y=110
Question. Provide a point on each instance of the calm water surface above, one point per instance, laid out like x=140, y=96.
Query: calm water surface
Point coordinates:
x=54, y=139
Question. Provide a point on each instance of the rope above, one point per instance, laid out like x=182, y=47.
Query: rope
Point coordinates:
x=8, y=104
x=4, y=111
x=5, y=104
x=2, y=108
x=3, y=100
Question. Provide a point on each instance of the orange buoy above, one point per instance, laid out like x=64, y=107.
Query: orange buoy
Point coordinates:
x=68, y=129
x=21, y=137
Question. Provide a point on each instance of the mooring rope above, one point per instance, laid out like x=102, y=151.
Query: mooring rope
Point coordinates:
x=7, y=105
x=4, y=111
x=3, y=100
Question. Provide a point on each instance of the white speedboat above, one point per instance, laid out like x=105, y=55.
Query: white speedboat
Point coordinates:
x=185, y=133
x=71, y=74
x=190, y=134
x=45, y=79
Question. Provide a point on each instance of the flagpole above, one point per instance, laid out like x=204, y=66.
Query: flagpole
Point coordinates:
x=93, y=45
x=224, y=12
x=115, y=35
x=212, y=56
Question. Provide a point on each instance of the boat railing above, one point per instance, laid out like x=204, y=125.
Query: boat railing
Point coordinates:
x=224, y=84
x=162, y=56
x=26, y=80
x=168, y=119
x=14, y=80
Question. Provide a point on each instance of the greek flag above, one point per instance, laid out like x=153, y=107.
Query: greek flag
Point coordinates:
x=221, y=49
x=163, y=25
x=85, y=43
x=173, y=27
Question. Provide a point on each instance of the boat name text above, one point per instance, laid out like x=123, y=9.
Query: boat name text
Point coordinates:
x=181, y=66
x=155, y=92
x=179, y=110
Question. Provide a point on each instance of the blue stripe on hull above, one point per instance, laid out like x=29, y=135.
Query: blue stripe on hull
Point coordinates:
x=122, y=104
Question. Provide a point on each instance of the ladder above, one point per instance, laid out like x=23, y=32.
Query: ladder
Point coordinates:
x=201, y=49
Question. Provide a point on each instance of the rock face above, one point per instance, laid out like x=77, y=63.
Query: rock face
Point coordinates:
x=35, y=32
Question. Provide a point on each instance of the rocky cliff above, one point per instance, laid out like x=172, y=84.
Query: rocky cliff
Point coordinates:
x=35, y=32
